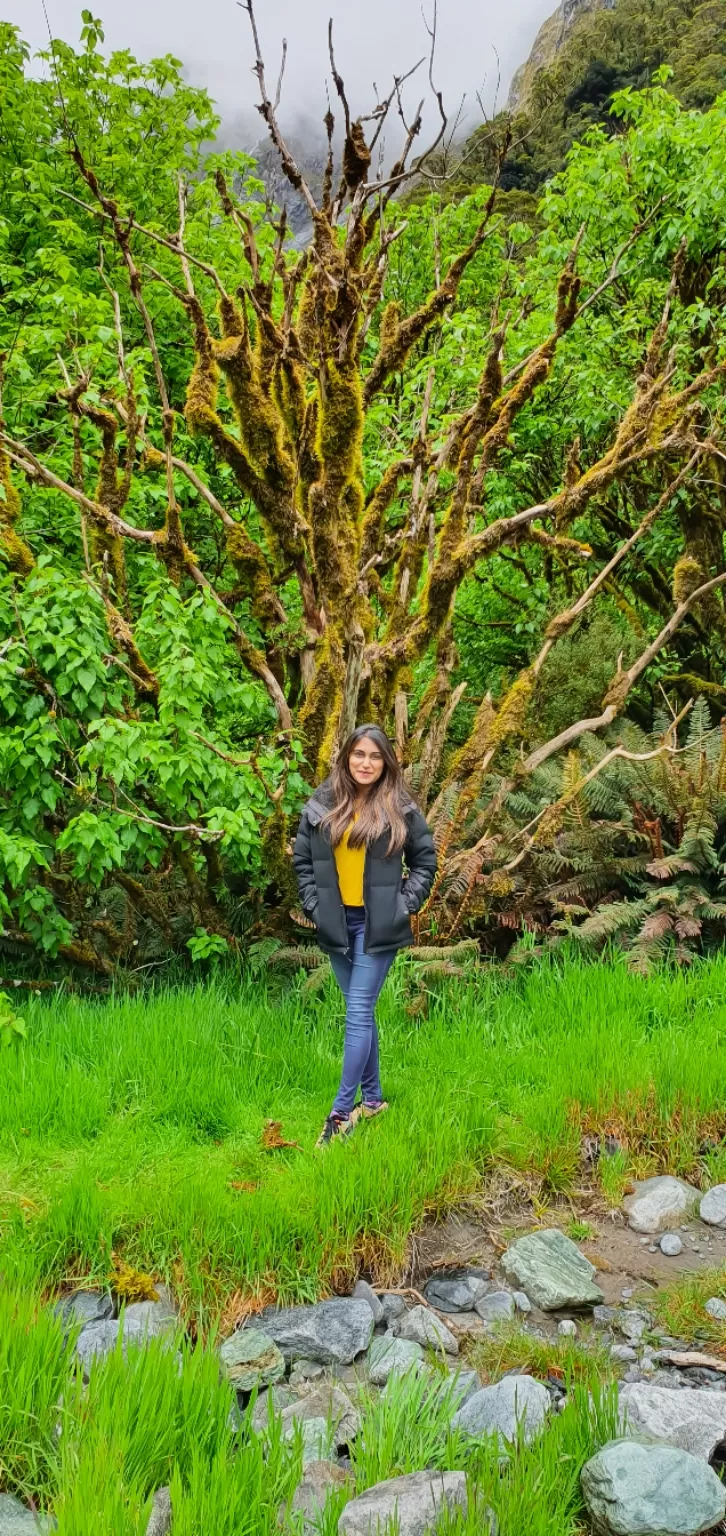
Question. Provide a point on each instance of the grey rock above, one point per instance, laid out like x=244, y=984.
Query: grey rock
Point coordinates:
x=275, y=1398
x=713, y=1206
x=466, y=1384
x=393, y=1307
x=522, y=1301
x=516, y=1404
x=160, y=1521
x=455, y=1293
x=671, y=1245
x=310, y=1497
x=650, y=1490
x=497, y=1307
x=100, y=1339
x=84, y=1307
x=695, y=1421
x=632, y=1374
x=716, y=1308
x=250, y=1359
x=330, y=1403
x=567, y=1329
x=624, y=1354
x=362, y=1291
x=420, y=1326
x=471, y=1325
x=606, y=1317
x=551, y=1269
x=633, y=1325
x=660, y=1203
x=414, y=1503
x=304, y=1371
x=15, y=1519
x=318, y=1440
x=391, y=1356
x=332, y=1332
x=155, y=1318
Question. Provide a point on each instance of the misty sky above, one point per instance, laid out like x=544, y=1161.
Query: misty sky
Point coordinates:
x=374, y=40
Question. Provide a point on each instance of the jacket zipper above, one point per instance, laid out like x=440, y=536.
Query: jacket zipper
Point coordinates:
x=366, y=902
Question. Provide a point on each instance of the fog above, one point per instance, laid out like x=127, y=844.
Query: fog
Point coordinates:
x=479, y=45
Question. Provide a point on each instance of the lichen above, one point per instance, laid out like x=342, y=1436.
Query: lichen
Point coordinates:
x=13, y=550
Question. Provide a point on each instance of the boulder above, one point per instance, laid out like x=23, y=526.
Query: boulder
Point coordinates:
x=633, y=1325
x=691, y=1419
x=250, y=1358
x=457, y=1292
x=632, y=1489
x=155, y=1318
x=100, y=1339
x=713, y=1206
x=327, y=1402
x=671, y=1245
x=15, y=1519
x=716, y=1308
x=304, y=1371
x=275, y=1398
x=497, y=1307
x=466, y=1384
x=362, y=1291
x=84, y=1307
x=332, y=1332
x=552, y=1271
x=411, y=1504
x=316, y=1435
x=420, y=1326
x=391, y=1356
x=310, y=1497
x=160, y=1521
x=522, y=1301
x=516, y=1404
x=660, y=1203
x=392, y=1306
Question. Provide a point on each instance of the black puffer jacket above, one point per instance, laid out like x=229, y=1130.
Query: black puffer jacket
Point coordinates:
x=389, y=897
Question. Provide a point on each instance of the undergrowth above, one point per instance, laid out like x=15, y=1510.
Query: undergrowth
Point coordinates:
x=680, y=1309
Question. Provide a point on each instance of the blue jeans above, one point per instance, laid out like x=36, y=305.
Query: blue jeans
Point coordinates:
x=360, y=978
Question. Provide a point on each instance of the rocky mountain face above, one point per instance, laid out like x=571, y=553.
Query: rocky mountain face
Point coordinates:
x=551, y=38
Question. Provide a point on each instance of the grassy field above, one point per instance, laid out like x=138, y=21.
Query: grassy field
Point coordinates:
x=132, y=1128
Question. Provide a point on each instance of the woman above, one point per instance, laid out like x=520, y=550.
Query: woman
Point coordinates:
x=355, y=834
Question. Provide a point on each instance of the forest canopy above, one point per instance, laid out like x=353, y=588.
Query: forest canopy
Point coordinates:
x=463, y=476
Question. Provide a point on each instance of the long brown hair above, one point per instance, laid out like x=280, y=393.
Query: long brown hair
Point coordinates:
x=384, y=807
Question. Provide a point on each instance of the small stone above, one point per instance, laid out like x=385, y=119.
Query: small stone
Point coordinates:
x=160, y=1521
x=275, y=1398
x=456, y=1293
x=304, y=1371
x=624, y=1354
x=362, y=1291
x=627, y=1292
x=516, y=1404
x=716, y=1308
x=100, y=1339
x=671, y=1245
x=633, y=1325
x=249, y=1359
x=632, y=1487
x=310, y=1497
x=658, y=1204
x=465, y=1384
x=330, y=1403
x=551, y=1269
x=393, y=1307
x=713, y=1206
x=316, y=1435
x=497, y=1307
x=605, y=1317
x=567, y=1328
x=391, y=1356
x=15, y=1518
x=155, y=1318
x=644, y=1241
x=332, y=1332
x=420, y=1326
x=84, y=1307
x=412, y=1504
x=522, y=1301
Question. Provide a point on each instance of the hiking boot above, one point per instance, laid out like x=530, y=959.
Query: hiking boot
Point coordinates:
x=371, y=1108
x=336, y=1126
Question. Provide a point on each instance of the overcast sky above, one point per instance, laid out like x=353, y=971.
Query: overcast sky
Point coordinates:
x=374, y=40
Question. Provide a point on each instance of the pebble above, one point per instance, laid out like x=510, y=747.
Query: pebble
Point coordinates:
x=716, y=1308
x=567, y=1329
x=671, y=1245
x=623, y=1353
x=521, y=1301
x=362, y=1291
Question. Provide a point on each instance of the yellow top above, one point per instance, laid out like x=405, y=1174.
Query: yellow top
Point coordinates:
x=350, y=863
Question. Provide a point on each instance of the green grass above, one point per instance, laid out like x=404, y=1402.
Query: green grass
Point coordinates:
x=159, y=1419
x=133, y=1125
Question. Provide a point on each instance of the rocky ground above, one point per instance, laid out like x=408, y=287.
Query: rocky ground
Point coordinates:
x=307, y=1366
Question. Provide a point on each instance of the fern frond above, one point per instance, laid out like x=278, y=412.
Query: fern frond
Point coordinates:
x=299, y=955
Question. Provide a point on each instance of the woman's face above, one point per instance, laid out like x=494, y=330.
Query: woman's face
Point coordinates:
x=366, y=762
